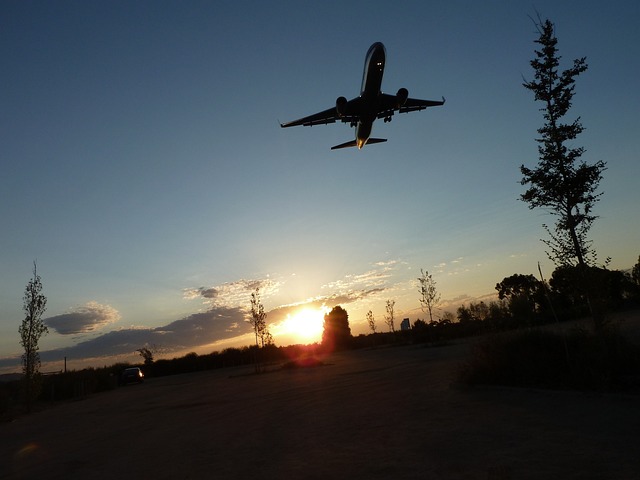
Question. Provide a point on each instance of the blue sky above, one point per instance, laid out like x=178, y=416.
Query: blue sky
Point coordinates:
x=144, y=168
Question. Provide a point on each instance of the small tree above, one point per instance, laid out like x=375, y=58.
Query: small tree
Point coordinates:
x=371, y=321
x=31, y=330
x=258, y=322
x=147, y=353
x=429, y=296
x=447, y=318
x=258, y=317
x=389, y=318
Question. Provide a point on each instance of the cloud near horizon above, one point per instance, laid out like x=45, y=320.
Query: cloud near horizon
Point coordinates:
x=224, y=319
x=87, y=318
x=195, y=330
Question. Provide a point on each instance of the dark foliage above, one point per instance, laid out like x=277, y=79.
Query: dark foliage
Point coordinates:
x=635, y=274
x=336, y=334
x=31, y=330
x=611, y=289
x=529, y=358
x=147, y=355
x=560, y=183
x=538, y=358
x=525, y=294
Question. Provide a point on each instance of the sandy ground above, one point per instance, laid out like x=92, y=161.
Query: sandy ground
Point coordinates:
x=386, y=413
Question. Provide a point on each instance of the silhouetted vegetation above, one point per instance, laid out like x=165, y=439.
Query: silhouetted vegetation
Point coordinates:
x=635, y=274
x=389, y=318
x=146, y=354
x=31, y=329
x=561, y=183
x=429, y=295
x=336, y=334
x=538, y=358
x=603, y=359
x=371, y=321
x=259, y=324
x=516, y=351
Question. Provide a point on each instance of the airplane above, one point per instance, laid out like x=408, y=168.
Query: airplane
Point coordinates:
x=372, y=104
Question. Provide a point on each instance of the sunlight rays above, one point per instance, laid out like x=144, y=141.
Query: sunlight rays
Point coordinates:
x=305, y=325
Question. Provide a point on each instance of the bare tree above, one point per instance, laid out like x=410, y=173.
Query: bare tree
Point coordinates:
x=429, y=296
x=31, y=330
x=389, y=318
x=258, y=317
x=258, y=323
x=371, y=321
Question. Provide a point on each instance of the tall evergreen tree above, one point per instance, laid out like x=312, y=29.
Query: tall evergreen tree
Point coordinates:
x=561, y=182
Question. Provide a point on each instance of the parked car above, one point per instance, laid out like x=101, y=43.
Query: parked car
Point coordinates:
x=132, y=375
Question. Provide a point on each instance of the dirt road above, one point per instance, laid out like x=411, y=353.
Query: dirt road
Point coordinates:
x=374, y=414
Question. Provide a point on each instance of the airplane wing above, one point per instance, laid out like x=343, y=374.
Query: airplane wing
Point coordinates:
x=389, y=105
x=349, y=114
x=415, y=104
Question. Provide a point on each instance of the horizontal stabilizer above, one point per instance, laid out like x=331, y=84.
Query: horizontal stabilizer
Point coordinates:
x=353, y=143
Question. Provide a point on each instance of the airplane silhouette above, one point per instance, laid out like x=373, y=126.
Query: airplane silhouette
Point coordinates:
x=371, y=104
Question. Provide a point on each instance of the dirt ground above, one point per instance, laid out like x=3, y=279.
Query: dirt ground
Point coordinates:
x=375, y=414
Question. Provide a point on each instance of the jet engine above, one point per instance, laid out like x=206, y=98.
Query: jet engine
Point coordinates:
x=402, y=96
x=341, y=105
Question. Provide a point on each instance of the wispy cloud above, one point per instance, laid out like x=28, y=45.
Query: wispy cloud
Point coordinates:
x=87, y=318
x=352, y=296
x=374, y=278
x=231, y=294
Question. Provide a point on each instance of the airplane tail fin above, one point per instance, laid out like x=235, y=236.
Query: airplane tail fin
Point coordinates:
x=353, y=143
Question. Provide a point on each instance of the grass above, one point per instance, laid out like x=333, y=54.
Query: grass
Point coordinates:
x=577, y=359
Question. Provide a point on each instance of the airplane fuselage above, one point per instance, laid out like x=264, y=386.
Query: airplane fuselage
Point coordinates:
x=369, y=91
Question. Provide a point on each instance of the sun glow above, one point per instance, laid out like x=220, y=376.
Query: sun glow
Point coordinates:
x=306, y=324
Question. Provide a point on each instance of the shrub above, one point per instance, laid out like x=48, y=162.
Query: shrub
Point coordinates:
x=537, y=358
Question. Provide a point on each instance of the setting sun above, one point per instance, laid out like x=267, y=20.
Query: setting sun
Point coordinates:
x=305, y=324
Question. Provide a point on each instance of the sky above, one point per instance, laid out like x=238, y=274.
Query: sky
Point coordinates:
x=144, y=170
